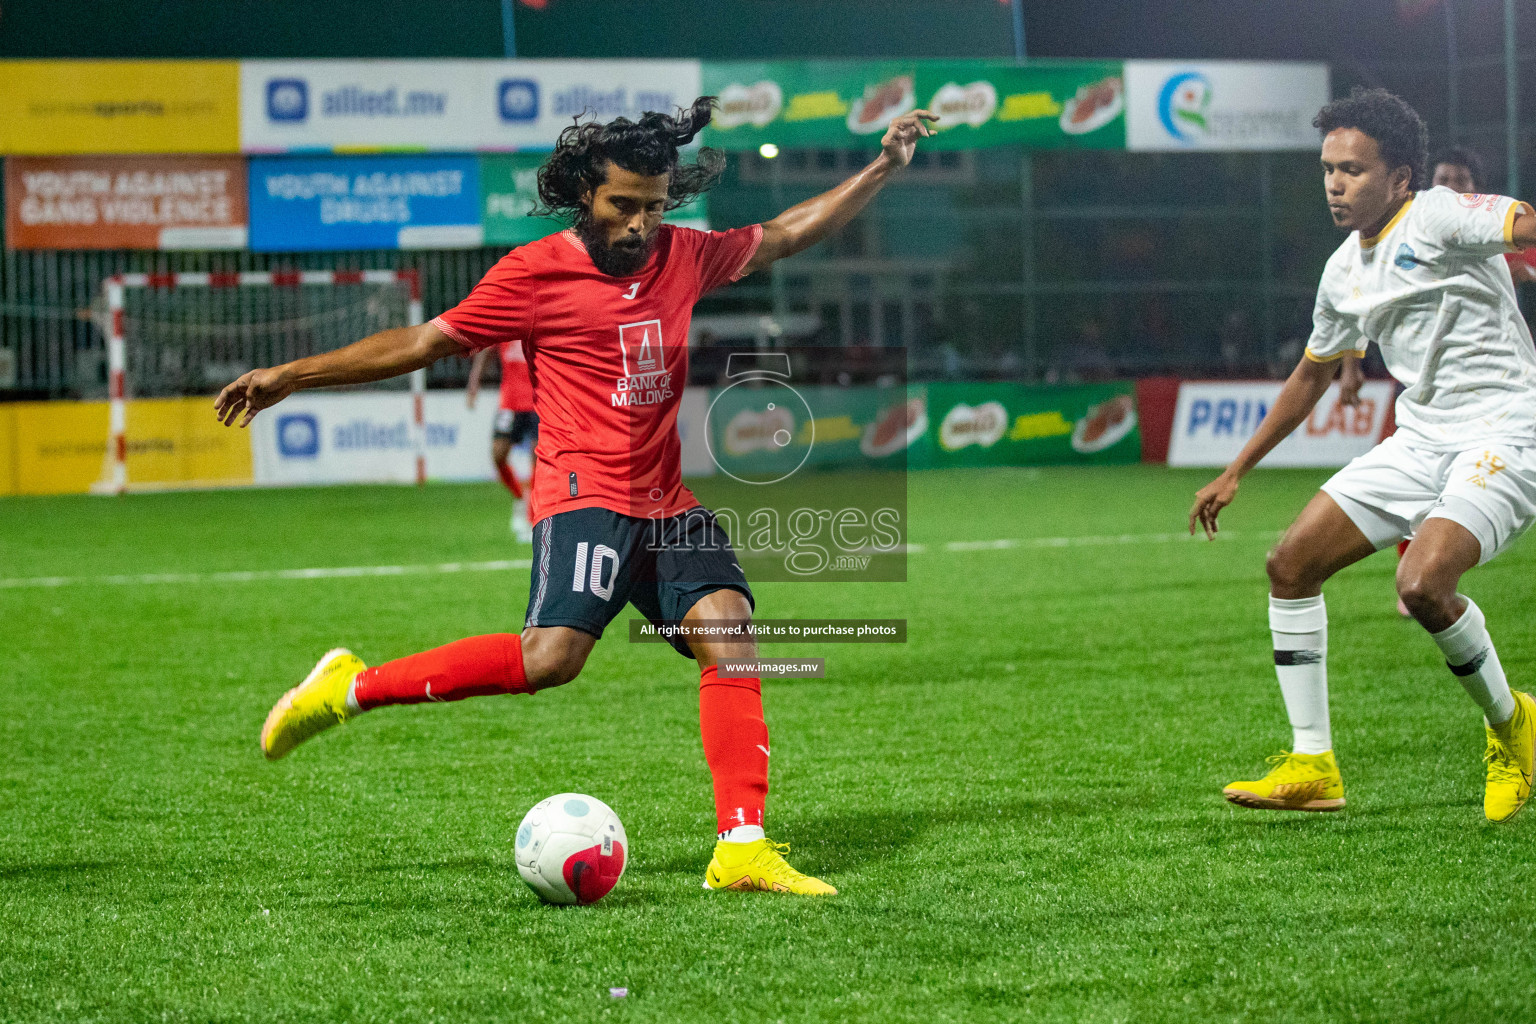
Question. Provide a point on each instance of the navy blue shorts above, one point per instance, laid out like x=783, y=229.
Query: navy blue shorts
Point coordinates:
x=516, y=426
x=589, y=562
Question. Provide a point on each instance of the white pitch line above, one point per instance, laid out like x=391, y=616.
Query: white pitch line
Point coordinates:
x=506, y=565
x=261, y=575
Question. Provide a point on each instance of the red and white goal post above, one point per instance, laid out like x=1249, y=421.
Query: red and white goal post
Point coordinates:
x=118, y=287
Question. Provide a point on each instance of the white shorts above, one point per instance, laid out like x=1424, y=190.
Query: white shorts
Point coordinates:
x=1391, y=489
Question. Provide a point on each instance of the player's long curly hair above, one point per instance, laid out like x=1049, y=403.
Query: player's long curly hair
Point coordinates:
x=648, y=146
x=1398, y=129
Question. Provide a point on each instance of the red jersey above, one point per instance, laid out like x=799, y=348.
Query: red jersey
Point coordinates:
x=608, y=357
x=516, y=387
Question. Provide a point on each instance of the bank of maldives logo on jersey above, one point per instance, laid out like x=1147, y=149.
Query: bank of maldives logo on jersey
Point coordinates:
x=646, y=380
x=287, y=99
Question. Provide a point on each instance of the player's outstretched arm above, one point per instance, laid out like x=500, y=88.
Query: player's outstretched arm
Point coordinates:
x=803, y=225
x=377, y=357
x=1305, y=386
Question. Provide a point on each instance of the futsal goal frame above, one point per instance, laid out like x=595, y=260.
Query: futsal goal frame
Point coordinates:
x=116, y=288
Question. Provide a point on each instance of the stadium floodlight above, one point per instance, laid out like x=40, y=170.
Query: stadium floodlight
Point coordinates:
x=208, y=328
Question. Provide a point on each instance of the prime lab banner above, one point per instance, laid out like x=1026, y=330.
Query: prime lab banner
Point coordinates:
x=980, y=103
x=82, y=202
x=452, y=105
x=1224, y=105
x=379, y=202
x=1214, y=419
x=119, y=106
x=509, y=191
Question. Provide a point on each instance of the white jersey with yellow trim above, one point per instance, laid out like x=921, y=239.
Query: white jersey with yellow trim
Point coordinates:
x=1433, y=291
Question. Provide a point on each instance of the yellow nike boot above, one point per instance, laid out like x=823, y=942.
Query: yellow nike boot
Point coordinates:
x=1510, y=756
x=313, y=706
x=759, y=867
x=1297, y=782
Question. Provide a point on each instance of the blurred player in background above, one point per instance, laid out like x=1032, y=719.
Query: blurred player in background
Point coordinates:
x=1460, y=170
x=517, y=425
x=603, y=311
x=1421, y=274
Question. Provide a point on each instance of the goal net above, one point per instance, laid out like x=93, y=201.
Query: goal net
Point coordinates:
x=180, y=334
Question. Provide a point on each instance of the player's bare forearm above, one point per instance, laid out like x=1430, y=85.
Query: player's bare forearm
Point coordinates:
x=377, y=357
x=804, y=224
x=1351, y=380
x=1306, y=384
x=476, y=368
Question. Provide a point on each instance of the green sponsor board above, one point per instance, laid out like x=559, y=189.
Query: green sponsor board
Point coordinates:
x=765, y=432
x=846, y=104
x=1025, y=425
x=509, y=189
x=1042, y=106
x=807, y=103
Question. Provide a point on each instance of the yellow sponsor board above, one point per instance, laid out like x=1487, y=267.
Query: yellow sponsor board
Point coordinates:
x=51, y=107
x=60, y=447
x=7, y=449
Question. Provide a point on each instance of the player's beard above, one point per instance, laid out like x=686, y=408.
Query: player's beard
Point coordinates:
x=620, y=259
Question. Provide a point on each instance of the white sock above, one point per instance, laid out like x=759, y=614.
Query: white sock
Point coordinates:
x=1300, y=631
x=353, y=707
x=742, y=834
x=1470, y=655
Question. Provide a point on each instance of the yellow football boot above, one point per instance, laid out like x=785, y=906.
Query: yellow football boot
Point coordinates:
x=1297, y=782
x=1511, y=752
x=313, y=706
x=759, y=867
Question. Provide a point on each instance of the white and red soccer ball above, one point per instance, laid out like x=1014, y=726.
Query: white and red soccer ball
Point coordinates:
x=571, y=848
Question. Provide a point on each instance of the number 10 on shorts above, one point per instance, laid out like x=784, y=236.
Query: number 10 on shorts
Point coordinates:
x=583, y=578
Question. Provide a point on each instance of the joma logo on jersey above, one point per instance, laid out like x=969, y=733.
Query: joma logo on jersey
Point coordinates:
x=641, y=349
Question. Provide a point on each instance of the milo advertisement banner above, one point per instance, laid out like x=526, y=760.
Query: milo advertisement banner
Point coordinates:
x=509, y=190
x=1042, y=106
x=1028, y=425
x=842, y=104
x=807, y=103
x=763, y=430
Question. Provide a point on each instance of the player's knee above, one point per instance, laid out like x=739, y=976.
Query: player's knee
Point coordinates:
x=1288, y=569
x=552, y=658
x=500, y=449
x=1429, y=599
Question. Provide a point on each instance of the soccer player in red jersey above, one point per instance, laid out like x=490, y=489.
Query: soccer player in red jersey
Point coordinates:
x=602, y=311
x=517, y=424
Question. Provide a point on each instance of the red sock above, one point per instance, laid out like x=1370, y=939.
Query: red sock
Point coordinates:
x=472, y=667
x=736, y=747
x=1402, y=548
x=509, y=478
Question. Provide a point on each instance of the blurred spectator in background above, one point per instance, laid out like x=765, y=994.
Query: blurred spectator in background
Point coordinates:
x=1089, y=359
x=1236, y=343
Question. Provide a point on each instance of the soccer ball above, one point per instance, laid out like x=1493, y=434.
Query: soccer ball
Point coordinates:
x=571, y=848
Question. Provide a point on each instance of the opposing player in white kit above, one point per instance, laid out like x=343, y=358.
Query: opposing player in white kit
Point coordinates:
x=1422, y=275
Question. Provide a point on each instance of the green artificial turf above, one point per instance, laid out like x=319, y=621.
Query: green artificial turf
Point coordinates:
x=1021, y=805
